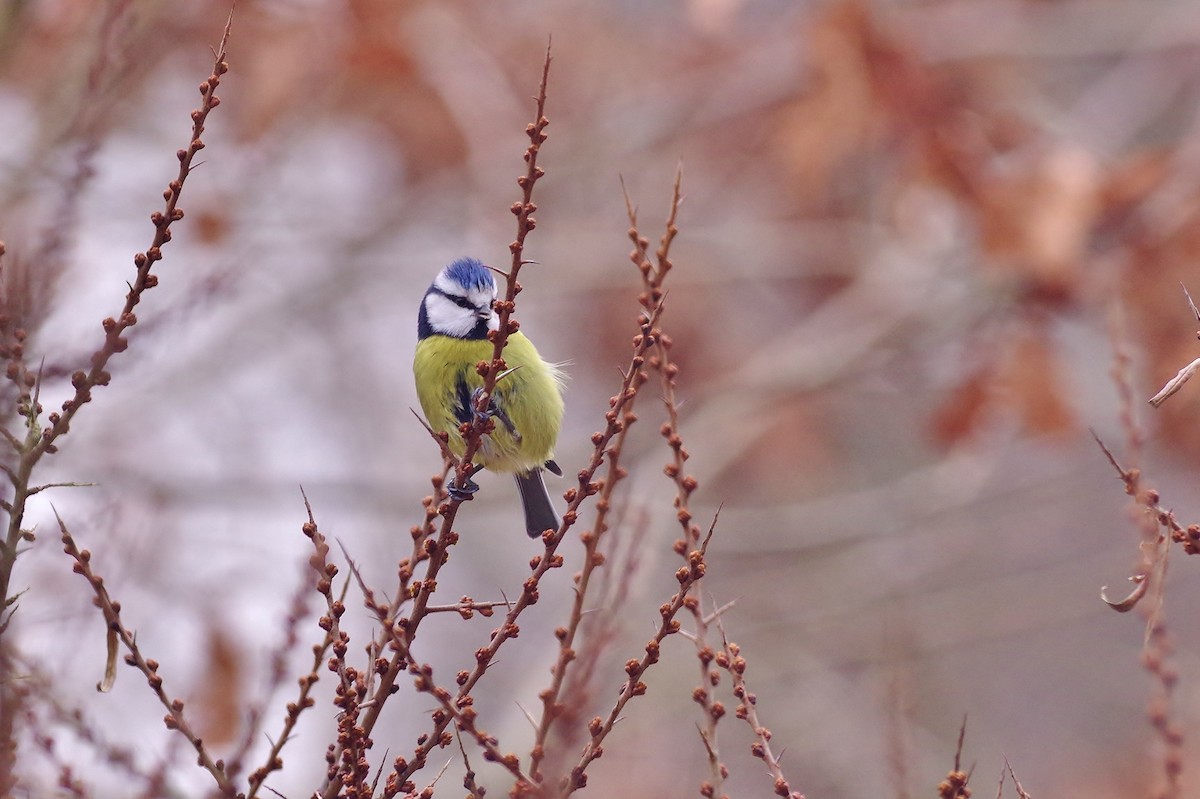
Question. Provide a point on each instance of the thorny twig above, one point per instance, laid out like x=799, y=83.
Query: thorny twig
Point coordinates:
x=111, y=609
x=687, y=576
x=348, y=767
x=653, y=274
x=1153, y=561
x=40, y=441
x=552, y=707
x=954, y=786
x=598, y=630
x=303, y=701
x=400, y=632
x=730, y=659
x=615, y=417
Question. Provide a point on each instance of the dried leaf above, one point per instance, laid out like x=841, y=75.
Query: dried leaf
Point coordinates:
x=110, y=663
x=220, y=699
x=1175, y=383
x=960, y=414
x=1032, y=385
x=1129, y=602
x=1037, y=221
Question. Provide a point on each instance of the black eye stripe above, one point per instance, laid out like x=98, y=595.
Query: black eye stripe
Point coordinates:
x=457, y=299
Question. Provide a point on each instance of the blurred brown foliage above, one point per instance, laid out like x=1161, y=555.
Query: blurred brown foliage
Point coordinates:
x=906, y=229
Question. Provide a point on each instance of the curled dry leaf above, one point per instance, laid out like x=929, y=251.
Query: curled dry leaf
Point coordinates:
x=1175, y=383
x=1129, y=602
x=110, y=663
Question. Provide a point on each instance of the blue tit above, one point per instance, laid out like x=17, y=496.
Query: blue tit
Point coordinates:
x=527, y=406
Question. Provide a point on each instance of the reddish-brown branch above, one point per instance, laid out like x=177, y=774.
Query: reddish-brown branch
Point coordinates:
x=303, y=701
x=506, y=325
x=175, y=719
x=653, y=275
x=730, y=659
x=635, y=668
x=114, y=328
x=955, y=784
x=616, y=420
x=348, y=766
x=599, y=629
x=435, y=551
x=592, y=560
x=41, y=441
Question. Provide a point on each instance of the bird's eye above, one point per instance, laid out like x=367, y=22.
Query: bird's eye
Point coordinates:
x=462, y=302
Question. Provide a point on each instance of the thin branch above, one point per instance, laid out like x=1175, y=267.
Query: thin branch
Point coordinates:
x=687, y=576
x=541, y=564
x=38, y=441
x=174, y=719
x=303, y=701
x=731, y=660
x=436, y=551
x=954, y=786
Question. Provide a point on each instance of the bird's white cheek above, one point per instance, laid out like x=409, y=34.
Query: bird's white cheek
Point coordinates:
x=447, y=318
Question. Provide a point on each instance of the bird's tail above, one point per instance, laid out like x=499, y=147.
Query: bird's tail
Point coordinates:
x=539, y=513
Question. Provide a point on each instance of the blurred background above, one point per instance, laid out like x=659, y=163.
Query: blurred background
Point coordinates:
x=914, y=235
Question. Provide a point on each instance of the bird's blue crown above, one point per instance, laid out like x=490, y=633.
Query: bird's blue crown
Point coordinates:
x=471, y=274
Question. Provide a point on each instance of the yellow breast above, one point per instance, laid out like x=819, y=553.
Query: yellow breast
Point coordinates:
x=530, y=398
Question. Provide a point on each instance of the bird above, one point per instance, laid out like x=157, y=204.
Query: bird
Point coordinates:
x=455, y=316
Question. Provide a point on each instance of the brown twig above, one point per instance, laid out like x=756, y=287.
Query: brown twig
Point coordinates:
x=598, y=630
x=115, y=341
x=435, y=551
x=1021, y=793
x=712, y=710
x=421, y=534
x=552, y=707
x=349, y=769
x=474, y=790
x=467, y=607
x=174, y=720
x=462, y=712
x=634, y=378
x=506, y=326
x=955, y=784
x=653, y=274
x=730, y=659
x=687, y=576
x=39, y=441
x=303, y=701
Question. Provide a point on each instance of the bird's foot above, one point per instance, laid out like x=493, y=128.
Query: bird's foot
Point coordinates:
x=464, y=490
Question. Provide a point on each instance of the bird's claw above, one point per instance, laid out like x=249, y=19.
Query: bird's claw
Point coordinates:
x=462, y=492
x=475, y=412
x=493, y=410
